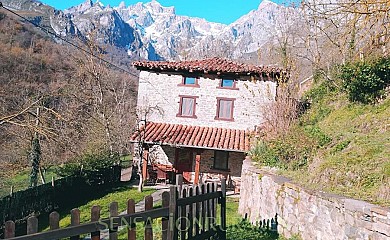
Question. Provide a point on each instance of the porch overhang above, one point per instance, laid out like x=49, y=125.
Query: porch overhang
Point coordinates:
x=177, y=135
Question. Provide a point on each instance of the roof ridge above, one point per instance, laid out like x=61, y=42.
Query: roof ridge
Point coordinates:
x=207, y=65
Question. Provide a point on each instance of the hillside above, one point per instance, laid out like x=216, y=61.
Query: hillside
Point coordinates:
x=58, y=80
x=337, y=145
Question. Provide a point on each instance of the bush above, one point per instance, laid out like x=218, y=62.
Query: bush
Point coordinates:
x=246, y=231
x=315, y=133
x=89, y=166
x=365, y=81
x=319, y=92
x=290, y=151
x=262, y=153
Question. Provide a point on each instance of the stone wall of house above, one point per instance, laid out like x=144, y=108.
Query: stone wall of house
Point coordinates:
x=234, y=162
x=311, y=214
x=161, y=91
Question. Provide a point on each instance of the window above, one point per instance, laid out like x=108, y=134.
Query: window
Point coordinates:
x=225, y=108
x=187, y=106
x=221, y=160
x=228, y=84
x=189, y=82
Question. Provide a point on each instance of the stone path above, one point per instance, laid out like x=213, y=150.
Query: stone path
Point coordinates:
x=139, y=207
x=157, y=196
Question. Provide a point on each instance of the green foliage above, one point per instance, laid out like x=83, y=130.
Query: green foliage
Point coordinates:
x=244, y=230
x=315, y=133
x=318, y=93
x=341, y=146
x=315, y=115
x=337, y=145
x=365, y=81
x=88, y=163
x=291, y=151
x=264, y=154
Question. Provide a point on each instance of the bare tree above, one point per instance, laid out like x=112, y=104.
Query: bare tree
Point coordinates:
x=142, y=115
x=108, y=97
x=348, y=29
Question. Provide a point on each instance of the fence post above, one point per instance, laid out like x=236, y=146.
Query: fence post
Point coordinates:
x=113, y=221
x=204, y=209
x=54, y=220
x=95, y=216
x=74, y=221
x=197, y=211
x=209, y=208
x=148, y=222
x=165, y=220
x=9, y=231
x=172, y=230
x=32, y=225
x=183, y=215
x=179, y=182
x=131, y=232
x=223, y=209
x=190, y=214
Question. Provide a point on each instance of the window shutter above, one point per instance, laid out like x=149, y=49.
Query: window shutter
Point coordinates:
x=187, y=107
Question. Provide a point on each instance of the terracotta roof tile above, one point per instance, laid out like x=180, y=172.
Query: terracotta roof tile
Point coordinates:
x=209, y=65
x=195, y=136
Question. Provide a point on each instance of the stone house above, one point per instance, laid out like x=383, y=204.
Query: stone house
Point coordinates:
x=201, y=113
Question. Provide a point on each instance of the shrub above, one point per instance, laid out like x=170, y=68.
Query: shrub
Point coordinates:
x=365, y=81
x=88, y=165
x=244, y=230
x=262, y=153
x=289, y=151
x=315, y=132
x=319, y=92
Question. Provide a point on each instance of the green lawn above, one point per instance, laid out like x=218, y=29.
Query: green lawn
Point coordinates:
x=120, y=195
x=21, y=181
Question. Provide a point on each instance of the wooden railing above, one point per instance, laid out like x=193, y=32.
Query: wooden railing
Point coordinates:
x=186, y=213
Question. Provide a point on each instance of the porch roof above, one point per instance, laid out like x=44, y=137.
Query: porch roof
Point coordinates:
x=194, y=136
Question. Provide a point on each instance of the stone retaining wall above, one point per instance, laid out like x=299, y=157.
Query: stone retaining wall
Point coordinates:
x=312, y=215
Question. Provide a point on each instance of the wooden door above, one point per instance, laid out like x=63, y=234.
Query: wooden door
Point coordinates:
x=183, y=162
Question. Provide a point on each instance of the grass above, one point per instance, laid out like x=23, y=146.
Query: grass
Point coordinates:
x=232, y=218
x=126, y=161
x=120, y=194
x=21, y=181
x=355, y=159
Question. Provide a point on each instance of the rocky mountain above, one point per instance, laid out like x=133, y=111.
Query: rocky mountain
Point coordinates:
x=165, y=34
x=250, y=32
x=155, y=32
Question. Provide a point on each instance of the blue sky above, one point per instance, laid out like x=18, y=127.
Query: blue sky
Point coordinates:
x=223, y=11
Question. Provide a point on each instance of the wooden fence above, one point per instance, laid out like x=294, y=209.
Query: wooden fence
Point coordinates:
x=186, y=213
x=57, y=194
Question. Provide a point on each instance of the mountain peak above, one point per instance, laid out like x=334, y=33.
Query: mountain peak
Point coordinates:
x=156, y=7
x=81, y=7
x=266, y=3
x=122, y=5
x=99, y=3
